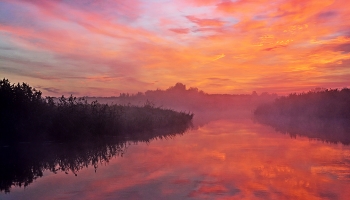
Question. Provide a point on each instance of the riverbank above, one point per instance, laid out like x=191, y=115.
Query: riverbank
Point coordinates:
x=27, y=116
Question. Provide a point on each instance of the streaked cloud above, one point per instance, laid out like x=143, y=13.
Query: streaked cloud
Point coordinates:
x=159, y=43
x=205, y=22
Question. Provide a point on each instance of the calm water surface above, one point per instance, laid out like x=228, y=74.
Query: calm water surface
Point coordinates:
x=224, y=159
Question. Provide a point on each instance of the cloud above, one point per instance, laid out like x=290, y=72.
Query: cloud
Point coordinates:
x=209, y=29
x=203, y=2
x=217, y=57
x=205, y=22
x=243, y=7
x=343, y=47
x=51, y=90
x=327, y=14
x=218, y=79
x=124, y=10
x=180, y=30
x=274, y=47
x=182, y=42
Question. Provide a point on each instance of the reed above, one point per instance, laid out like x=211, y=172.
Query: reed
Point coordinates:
x=27, y=116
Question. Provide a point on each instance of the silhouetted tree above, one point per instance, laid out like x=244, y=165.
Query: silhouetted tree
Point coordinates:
x=26, y=116
x=320, y=113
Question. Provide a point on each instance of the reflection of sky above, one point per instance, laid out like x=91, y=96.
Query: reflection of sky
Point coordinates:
x=108, y=47
x=221, y=160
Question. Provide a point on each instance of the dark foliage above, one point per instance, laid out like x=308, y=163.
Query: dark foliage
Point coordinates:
x=22, y=109
x=26, y=116
x=325, y=104
x=322, y=115
x=22, y=163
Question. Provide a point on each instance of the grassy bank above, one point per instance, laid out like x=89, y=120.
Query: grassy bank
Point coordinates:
x=26, y=116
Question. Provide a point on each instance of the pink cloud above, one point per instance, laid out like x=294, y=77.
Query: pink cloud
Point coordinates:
x=180, y=30
x=203, y=2
x=205, y=22
x=137, y=39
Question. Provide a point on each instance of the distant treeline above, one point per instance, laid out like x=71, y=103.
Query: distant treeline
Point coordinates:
x=321, y=115
x=324, y=104
x=206, y=106
x=26, y=116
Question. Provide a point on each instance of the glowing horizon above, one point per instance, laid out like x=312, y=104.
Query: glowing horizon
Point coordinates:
x=103, y=48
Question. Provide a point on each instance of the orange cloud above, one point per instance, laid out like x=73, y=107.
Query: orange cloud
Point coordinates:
x=180, y=42
x=180, y=30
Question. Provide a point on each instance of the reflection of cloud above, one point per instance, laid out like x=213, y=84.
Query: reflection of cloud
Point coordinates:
x=209, y=190
x=340, y=171
x=217, y=155
x=263, y=194
x=261, y=164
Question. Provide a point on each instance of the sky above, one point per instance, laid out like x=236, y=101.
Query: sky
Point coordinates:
x=104, y=48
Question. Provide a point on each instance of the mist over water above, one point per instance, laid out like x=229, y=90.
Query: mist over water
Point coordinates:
x=221, y=159
x=319, y=114
x=112, y=128
x=205, y=107
x=229, y=152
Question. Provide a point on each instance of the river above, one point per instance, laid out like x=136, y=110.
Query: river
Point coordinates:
x=222, y=159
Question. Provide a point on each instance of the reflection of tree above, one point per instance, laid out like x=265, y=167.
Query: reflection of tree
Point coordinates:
x=22, y=163
x=322, y=114
x=328, y=130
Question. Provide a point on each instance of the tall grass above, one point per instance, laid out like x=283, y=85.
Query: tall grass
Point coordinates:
x=26, y=116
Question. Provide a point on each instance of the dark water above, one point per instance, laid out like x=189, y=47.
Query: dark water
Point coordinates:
x=224, y=159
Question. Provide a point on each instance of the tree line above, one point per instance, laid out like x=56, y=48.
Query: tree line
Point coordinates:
x=25, y=115
x=325, y=104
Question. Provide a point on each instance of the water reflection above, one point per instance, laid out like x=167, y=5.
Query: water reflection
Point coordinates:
x=223, y=159
x=22, y=163
x=327, y=130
